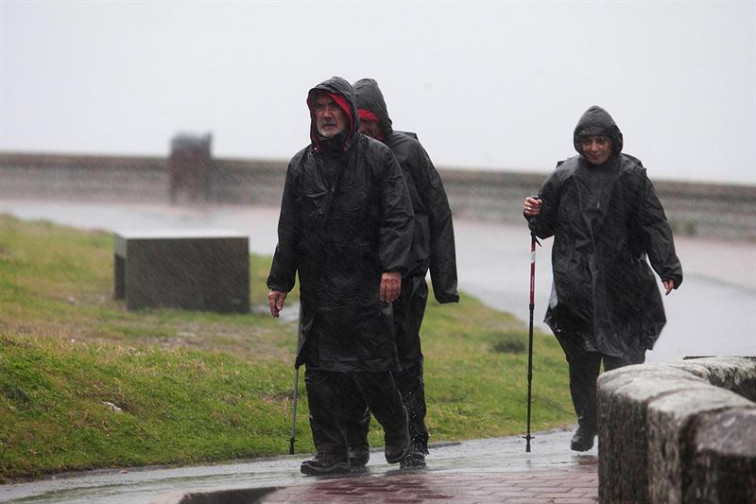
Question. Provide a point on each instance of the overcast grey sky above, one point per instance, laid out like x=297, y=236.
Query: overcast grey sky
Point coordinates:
x=492, y=85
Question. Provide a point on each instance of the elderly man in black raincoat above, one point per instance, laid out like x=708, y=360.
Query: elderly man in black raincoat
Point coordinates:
x=346, y=228
x=432, y=248
x=606, y=219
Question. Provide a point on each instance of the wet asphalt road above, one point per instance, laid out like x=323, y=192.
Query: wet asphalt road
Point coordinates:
x=713, y=313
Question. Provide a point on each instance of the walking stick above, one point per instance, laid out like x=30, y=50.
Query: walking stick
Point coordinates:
x=294, y=413
x=533, y=242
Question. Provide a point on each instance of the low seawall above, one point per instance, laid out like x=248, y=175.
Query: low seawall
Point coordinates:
x=708, y=210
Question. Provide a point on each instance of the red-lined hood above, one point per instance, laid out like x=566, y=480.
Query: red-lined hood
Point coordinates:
x=342, y=93
x=369, y=97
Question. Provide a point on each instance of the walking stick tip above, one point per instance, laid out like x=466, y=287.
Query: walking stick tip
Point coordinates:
x=527, y=442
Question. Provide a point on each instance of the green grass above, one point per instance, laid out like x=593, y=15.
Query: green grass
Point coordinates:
x=193, y=387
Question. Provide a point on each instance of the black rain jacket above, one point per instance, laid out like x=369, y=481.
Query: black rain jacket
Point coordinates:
x=606, y=221
x=433, y=244
x=340, y=237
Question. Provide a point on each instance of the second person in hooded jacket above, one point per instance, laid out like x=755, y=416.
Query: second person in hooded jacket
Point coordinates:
x=432, y=248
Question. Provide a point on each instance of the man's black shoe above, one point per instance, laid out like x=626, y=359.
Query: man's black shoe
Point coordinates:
x=324, y=464
x=413, y=460
x=358, y=458
x=583, y=439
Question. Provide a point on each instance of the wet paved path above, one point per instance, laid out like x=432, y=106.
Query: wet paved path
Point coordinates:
x=714, y=313
x=480, y=471
x=484, y=471
x=533, y=487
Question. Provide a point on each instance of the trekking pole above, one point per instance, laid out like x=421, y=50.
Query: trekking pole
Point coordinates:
x=294, y=413
x=533, y=242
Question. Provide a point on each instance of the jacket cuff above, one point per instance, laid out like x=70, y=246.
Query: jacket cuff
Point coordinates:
x=453, y=298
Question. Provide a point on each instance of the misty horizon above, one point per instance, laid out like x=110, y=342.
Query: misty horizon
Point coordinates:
x=489, y=86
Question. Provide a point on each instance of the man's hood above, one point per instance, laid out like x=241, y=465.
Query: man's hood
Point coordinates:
x=369, y=97
x=597, y=121
x=336, y=86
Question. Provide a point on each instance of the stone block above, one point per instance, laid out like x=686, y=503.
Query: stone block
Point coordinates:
x=678, y=432
x=736, y=374
x=190, y=270
x=670, y=420
x=723, y=465
x=623, y=399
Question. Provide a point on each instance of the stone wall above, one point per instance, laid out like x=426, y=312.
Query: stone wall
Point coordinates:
x=678, y=433
x=710, y=210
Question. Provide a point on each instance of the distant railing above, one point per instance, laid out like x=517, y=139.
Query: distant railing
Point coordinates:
x=710, y=210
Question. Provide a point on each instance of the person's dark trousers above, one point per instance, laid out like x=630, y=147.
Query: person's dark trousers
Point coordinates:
x=330, y=395
x=409, y=311
x=411, y=386
x=323, y=397
x=356, y=420
x=357, y=414
x=584, y=371
x=382, y=397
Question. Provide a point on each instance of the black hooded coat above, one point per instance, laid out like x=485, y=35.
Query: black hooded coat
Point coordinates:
x=340, y=237
x=433, y=244
x=606, y=221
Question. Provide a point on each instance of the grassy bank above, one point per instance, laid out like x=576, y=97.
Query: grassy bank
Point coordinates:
x=84, y=383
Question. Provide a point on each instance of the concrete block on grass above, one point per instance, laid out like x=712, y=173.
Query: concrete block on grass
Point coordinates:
x=197, y=270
